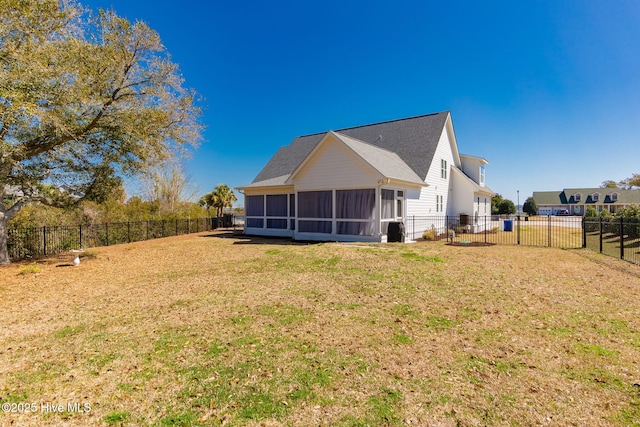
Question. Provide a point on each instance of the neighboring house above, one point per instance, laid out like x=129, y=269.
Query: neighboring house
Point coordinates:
x=577, y=200
x=350, y=184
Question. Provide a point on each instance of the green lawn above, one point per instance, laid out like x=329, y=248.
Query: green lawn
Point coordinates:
x=211, y=331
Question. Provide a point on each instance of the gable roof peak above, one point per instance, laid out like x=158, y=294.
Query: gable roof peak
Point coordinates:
x=385, y=162
x=413, y=139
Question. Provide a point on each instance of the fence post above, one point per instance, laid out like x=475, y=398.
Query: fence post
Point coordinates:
x=485, y=228
x=80, y=243
x=621, y=237
x=128, y=232
x=44, y=240
x=413, y=220
x=176, y=226
x=600, y=234
x=147, y=229
x=549, y=228
x=518, y=222
x=584, y=231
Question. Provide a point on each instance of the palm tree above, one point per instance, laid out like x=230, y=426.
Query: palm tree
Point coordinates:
x=208, y=201
x=223, y=197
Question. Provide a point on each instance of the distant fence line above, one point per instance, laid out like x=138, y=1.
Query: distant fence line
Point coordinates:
x=618, y=237
x=34, y=242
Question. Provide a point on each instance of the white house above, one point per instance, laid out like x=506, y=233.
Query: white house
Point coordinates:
x=350, y=184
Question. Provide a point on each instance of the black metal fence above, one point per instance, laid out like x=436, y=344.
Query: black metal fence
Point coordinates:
x=550, y=231
x=33, y=242
x=618, y=237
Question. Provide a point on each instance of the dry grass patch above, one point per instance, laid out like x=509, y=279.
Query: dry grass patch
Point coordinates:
x=211, y=331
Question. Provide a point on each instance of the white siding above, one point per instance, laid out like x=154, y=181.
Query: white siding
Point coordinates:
x=462, y=198
x=471, y=167
x=424, y=202
x=335, y=166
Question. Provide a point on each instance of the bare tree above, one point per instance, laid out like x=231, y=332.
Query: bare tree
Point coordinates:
x=169, y=186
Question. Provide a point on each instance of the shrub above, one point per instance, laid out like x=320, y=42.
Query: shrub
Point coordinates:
x=430, y=234
x=591, y=212
x=29, y=269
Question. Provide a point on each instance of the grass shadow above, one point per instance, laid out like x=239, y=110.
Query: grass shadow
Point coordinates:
x=244, y=239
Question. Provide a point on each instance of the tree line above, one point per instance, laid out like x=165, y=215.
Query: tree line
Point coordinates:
x=168, y=203
x=631, y=183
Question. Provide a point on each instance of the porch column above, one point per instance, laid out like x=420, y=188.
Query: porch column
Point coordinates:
x=334, y=224
x=378, y=212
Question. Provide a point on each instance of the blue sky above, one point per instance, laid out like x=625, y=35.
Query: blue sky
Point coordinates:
x=547, y=91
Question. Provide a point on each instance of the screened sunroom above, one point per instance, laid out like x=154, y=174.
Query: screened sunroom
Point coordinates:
x=342, y=190
x=339, y=214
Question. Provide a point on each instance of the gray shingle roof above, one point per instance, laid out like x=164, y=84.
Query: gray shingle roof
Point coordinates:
x=413, y=139
x=388, y=163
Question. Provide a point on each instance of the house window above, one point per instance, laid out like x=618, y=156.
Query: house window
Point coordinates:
x=614, y=197
x=314, y=226
x=387, y=204
x=355, y=205
x=277, y=207
x=595, y=197
x=439, y=203
x=485, y=205
x=254, y=208
x=399, y=204
x=279, y=223
x=482, y=175
x=255, y=205
x=577, y=197
x=443, y=169
x=315, y=205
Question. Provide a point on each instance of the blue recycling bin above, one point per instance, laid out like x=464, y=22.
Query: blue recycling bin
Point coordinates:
x=508, y=225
